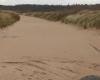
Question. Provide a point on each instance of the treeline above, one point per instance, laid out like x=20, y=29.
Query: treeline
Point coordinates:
x=46, y=8
x=31, y=8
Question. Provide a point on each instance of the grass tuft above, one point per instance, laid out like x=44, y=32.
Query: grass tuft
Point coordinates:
x=8, y=18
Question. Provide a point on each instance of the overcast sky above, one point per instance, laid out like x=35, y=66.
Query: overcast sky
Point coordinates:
x=64, y=2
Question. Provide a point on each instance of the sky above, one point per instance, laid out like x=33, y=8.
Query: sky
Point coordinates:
x=51, y=2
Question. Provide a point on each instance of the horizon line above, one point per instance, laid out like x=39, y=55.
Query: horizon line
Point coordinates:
x=48, y=4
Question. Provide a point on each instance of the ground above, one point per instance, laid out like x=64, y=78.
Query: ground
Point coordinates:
x=36, y=49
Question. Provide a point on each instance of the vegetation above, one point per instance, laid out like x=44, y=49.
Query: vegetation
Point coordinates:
x=54, y=16
x=58, y=15
x=7, y=18
x=84, y=15
x=49, y=8
x=85, y=18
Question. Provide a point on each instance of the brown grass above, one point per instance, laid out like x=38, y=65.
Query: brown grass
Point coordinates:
x=7, y=18
x=85, y=19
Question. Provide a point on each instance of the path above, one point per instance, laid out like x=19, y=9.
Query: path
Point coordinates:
x=48, y=51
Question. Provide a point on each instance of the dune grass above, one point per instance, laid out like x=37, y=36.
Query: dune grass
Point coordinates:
x=53, y=16
x=7, y=18
x=86, y=19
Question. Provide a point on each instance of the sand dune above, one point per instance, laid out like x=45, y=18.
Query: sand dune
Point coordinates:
x=36, y=49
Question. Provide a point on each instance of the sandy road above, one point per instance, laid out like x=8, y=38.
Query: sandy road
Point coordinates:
x=58, y=44
x=37, y=37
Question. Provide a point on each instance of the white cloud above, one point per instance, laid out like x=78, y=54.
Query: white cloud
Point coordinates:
x=13, y=2
x=2, y=1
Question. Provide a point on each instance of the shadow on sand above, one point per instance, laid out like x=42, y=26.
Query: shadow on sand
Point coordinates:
x=91, y=77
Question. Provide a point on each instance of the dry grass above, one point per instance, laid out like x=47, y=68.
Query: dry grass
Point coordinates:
x=53, y=16
x=7, y=18
x=86, y=19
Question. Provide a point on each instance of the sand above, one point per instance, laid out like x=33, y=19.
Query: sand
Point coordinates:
x=37, y=49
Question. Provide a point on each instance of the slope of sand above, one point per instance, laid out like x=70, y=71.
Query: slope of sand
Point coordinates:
x=36, y=49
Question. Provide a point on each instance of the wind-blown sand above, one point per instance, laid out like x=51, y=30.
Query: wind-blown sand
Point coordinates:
x=36, y=49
